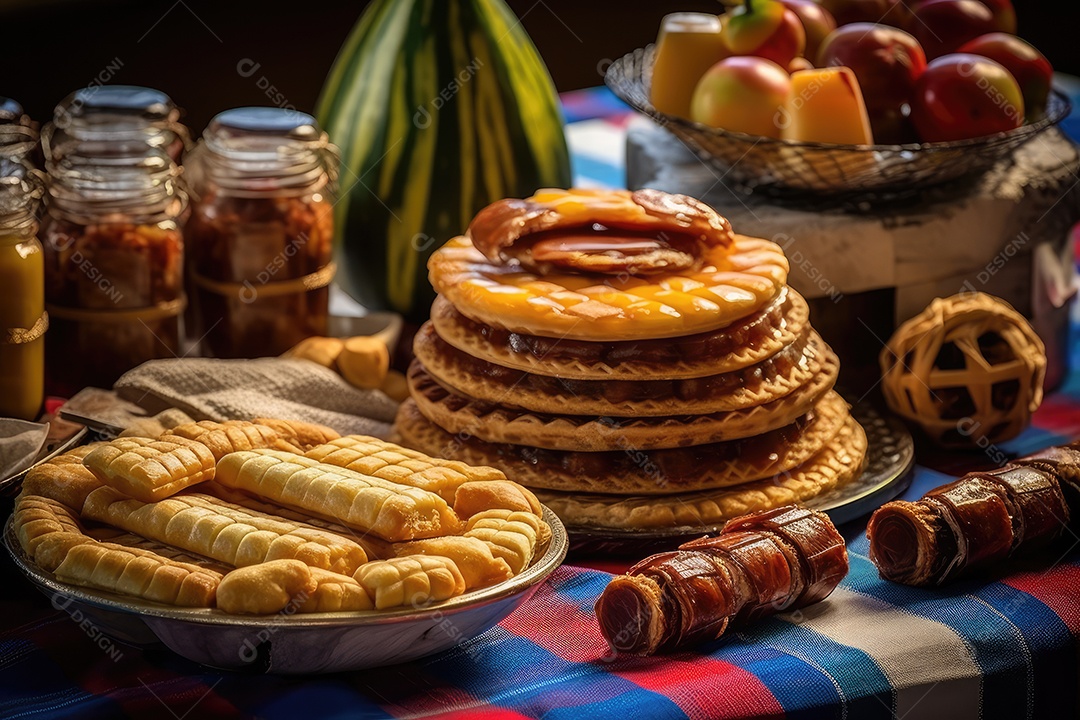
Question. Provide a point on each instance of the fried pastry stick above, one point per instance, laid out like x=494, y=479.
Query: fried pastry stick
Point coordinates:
x=222, y=531
x=366, y=503
x=150, y=469
x=978, y=520
x=52, y=535
x=273, y=586
x=470, y=489
x=761, y=564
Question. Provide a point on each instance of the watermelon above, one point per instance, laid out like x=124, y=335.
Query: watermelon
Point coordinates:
x=439, y=107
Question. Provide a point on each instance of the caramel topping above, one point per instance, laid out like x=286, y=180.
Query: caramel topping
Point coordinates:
x=605, y=250
x=647, y=219
x=624, y=244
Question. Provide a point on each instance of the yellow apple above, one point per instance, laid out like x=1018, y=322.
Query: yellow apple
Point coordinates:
x=743, y=94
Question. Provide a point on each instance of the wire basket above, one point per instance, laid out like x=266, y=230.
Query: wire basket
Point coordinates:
x=782, y=167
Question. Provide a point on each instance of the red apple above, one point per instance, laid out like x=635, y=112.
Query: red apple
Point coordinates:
x=887, y=62
x=886, y=12
x=816, y=21
x=942, y=26
x=962, y=96
x=764, y=28
x=1004, y=15
x=899, y=15
x=1029, y=66
x=893, y=127
x=744, y=94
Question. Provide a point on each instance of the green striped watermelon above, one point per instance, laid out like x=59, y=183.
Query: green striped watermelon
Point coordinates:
x=440, y=107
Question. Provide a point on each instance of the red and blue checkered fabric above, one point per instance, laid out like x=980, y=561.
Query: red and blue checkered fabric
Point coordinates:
x=1004, y=646
x=999, y=646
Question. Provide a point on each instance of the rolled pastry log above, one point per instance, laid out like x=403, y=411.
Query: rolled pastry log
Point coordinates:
x=973, y=522
x=760, y=564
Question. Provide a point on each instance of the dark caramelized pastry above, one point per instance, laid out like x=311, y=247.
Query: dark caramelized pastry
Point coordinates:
x=975, y=521
x=641, y=232
x=761, y=564
x=1063, y=463
x=820, y=549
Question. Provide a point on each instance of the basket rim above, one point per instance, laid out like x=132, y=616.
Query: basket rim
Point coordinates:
x=1058, y=108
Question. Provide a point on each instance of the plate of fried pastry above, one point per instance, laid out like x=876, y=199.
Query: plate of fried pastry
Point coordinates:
x=643, y=368
x=281, y=546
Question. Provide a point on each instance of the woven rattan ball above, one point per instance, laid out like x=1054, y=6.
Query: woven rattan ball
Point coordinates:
x=968, y=370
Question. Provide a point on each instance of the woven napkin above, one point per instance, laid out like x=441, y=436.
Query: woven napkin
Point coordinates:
x=209, y=389
x=20, y=443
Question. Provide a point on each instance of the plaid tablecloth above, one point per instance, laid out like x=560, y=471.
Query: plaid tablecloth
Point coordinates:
x=1004, y=646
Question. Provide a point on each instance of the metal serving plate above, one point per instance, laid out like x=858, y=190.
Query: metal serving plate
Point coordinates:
x=302, y=643
x=890, y=458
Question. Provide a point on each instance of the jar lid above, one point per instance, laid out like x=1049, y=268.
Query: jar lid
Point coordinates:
x=262, y=129
x=121, y=106
x=11, y=112
x=267, y=150
x=113, y=121
x=689, y=22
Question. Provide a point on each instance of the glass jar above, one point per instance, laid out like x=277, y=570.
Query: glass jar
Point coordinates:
x=688, y=45
x=18, y=139
x=113, y=266
x=260, y=232
x=23, y=320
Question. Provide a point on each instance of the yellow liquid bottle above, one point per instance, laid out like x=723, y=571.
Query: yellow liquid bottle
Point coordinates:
x=22, y=303
x=688, y=45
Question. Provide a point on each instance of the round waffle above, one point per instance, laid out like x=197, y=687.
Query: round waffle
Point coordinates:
x=626, y=469
x=733, y=282
x=496, y=423
x=744, y=343
x=839, y=462
x=783, y=373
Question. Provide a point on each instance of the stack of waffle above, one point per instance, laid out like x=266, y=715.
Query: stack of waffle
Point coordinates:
x=631, y=360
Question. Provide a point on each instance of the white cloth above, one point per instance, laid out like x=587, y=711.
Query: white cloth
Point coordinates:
x=20, y=443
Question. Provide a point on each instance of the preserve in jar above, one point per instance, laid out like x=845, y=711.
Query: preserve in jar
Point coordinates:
x=260, y=232
x=113, y=269
x=23, y=320
x=112, y=235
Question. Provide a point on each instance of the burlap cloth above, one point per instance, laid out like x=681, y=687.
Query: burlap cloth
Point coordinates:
x=209, y=389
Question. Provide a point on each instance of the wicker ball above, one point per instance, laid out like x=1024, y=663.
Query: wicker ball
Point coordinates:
x=968, y=370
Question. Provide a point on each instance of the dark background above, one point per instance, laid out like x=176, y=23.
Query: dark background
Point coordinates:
x=191, y=48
